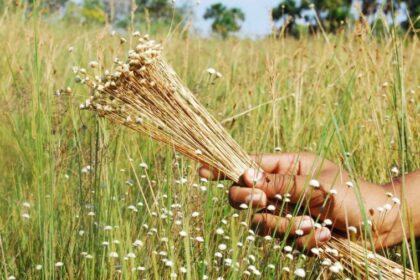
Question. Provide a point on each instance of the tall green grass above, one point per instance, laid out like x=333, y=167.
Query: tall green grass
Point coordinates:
x=352, y=94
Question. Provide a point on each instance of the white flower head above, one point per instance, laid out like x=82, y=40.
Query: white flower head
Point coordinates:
x=268, y=238
x=334, y=269
x=222, y=247
x=387, y=206
x=333, y=191
x=314, y=183
x=133, y=208
x=26, y=204
x=138, y=243
x=288, y=249
x=211, y=71
x=183, y=270
x=278, y=197
x=326, y=262
x=204, y=180
x=163, y=253
x=315, y=251
x=220, y=231
x=250, y=238
x=243, y=206
x=395, y=171
x=396, y=200
x=300, y=273
x=352, y=229
x=218, y=255
x=299, y=232
x=350, y=184
x=107, y=228
x=327, y=222
x=271, y=208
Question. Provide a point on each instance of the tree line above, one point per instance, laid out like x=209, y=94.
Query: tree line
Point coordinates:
x=290, y=17
x=336, y=15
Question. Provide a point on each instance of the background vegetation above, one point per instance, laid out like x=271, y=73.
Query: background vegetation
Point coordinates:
x=76, y=199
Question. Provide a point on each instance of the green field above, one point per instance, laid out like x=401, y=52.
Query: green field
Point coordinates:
x=75, y=202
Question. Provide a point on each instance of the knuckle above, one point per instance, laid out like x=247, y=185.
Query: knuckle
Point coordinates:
x=275, y=185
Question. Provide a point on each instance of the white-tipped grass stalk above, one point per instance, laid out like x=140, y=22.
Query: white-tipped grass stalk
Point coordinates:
x=146, y=95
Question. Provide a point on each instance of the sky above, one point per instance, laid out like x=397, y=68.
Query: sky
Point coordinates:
x=257, y=19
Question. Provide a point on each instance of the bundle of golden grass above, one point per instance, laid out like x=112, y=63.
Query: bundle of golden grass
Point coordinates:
x=146, y=95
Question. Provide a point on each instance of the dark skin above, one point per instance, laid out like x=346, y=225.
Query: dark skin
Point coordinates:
x=291, y=174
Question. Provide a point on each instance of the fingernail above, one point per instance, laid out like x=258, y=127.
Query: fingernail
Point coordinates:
x=306, y=224
x=324, y=235
x=255, y=174
x=254, y=197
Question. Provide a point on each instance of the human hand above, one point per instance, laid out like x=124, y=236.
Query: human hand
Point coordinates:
x=321, y=188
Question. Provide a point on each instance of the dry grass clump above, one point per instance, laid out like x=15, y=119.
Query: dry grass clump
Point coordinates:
x=146, y=95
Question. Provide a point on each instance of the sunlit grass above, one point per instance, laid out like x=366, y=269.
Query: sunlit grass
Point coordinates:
x=77, y=202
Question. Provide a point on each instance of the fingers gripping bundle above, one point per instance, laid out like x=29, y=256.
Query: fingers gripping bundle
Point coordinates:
x=145, y=94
